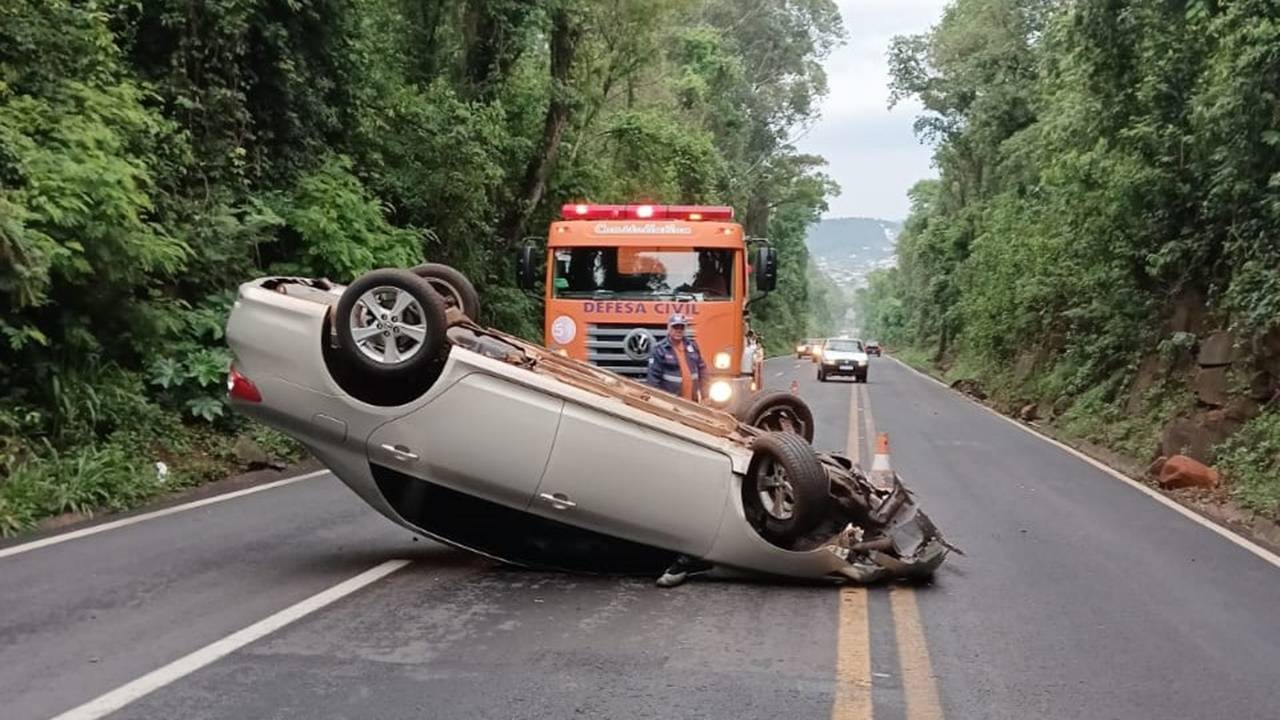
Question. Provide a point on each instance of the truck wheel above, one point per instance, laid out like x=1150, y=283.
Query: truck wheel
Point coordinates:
x=779, y=411
x=390, y=324
x=785, y=488
x=453, y=286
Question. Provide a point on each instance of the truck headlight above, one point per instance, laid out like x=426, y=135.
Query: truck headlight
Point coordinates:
x=721, y=391
x=722, y=361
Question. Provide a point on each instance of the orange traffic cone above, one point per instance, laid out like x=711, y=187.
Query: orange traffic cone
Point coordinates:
x=795, y=387
x=881, y=470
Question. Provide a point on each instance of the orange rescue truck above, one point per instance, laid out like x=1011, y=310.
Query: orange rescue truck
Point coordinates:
x=616, y=272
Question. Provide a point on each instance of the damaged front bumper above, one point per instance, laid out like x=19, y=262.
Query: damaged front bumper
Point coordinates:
x=880, y=532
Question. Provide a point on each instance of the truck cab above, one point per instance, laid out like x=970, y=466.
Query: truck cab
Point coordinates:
x=614, y=273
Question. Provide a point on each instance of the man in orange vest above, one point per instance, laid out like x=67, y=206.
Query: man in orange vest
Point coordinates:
x=676, y=364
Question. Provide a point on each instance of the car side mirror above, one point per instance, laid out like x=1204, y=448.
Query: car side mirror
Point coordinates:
x=525, y=272
x=766, y=269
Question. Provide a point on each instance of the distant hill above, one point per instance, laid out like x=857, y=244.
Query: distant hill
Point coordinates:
x=846, y=249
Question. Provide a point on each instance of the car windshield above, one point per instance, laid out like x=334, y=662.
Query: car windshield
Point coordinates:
x=844, y=346
x=632, y=272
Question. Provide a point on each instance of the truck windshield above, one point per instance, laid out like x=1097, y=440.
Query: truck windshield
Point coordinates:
x=639, y=272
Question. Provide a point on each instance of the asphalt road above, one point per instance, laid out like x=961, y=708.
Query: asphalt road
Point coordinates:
x=1079, y=597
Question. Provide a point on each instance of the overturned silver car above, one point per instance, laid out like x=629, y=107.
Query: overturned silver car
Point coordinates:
x=501, y=447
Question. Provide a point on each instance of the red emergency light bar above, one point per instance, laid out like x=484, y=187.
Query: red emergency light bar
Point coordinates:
x=580, y=211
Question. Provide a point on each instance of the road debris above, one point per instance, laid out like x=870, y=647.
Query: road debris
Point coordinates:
x=880, y=531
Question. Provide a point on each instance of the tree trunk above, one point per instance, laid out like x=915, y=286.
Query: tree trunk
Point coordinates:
x=564, y=40
x=756, y=223
x=944, y=343
x=492, y=44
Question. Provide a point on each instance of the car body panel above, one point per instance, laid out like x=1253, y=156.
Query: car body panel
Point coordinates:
x=636, y=484
x=500, y=459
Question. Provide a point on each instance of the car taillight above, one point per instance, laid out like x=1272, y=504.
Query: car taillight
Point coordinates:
x=241, y=388
x=583, y=211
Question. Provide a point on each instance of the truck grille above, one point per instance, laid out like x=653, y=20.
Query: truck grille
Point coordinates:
x=605, y=347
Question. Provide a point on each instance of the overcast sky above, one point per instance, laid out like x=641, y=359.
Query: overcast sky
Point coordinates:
x=870, y=151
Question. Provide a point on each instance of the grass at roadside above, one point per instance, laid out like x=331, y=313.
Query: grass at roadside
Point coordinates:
x=917, y=359
x=1134, y=434
x=119, y=472
x=1251, y=460
x=922, y=360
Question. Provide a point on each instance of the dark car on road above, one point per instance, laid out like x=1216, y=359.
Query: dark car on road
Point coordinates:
x=873, y=348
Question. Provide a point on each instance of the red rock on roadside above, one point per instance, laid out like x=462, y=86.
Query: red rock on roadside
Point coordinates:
x=1153, y=470
x=1181, y=471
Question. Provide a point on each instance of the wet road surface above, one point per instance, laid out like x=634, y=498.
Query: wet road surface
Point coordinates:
x=1080, y=597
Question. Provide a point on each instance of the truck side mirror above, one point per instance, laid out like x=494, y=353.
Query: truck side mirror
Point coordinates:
x=766, y=269
x=525, y=273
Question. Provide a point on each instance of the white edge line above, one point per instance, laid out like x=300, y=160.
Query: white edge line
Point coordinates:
x=135, y=519
x=1186, y=512
x=183, y=666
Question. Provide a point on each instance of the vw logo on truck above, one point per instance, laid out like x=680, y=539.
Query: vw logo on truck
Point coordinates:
x=638, y=344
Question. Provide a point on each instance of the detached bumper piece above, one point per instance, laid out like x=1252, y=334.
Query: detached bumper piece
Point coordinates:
x=880, y=532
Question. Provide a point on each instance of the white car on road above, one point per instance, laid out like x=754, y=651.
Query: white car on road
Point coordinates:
x=842, y=356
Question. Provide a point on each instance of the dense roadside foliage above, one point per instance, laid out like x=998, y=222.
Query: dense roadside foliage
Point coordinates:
x=1108, y=196
x=155, y=153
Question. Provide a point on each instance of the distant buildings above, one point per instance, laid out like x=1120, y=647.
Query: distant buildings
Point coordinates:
x=848, y=249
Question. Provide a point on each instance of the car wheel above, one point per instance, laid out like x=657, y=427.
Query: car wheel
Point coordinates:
x=779, y=411
x=391, y=324
x=786, y=488
x=453, y=286
x=822, y=377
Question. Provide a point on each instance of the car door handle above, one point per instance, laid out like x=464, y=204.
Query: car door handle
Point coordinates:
x=559, y=501
x=400, y=452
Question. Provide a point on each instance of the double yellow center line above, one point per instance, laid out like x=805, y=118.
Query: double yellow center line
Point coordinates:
x=853, y=645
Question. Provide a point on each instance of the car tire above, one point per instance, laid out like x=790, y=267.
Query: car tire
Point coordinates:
x=422, y=313
x=786, y=490
x=451, y=285
x=779, y=411
x=822, y=377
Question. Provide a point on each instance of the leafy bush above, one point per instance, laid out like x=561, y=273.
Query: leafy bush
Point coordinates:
x=338, y=229
x=81, y=481
x=1250, y=461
